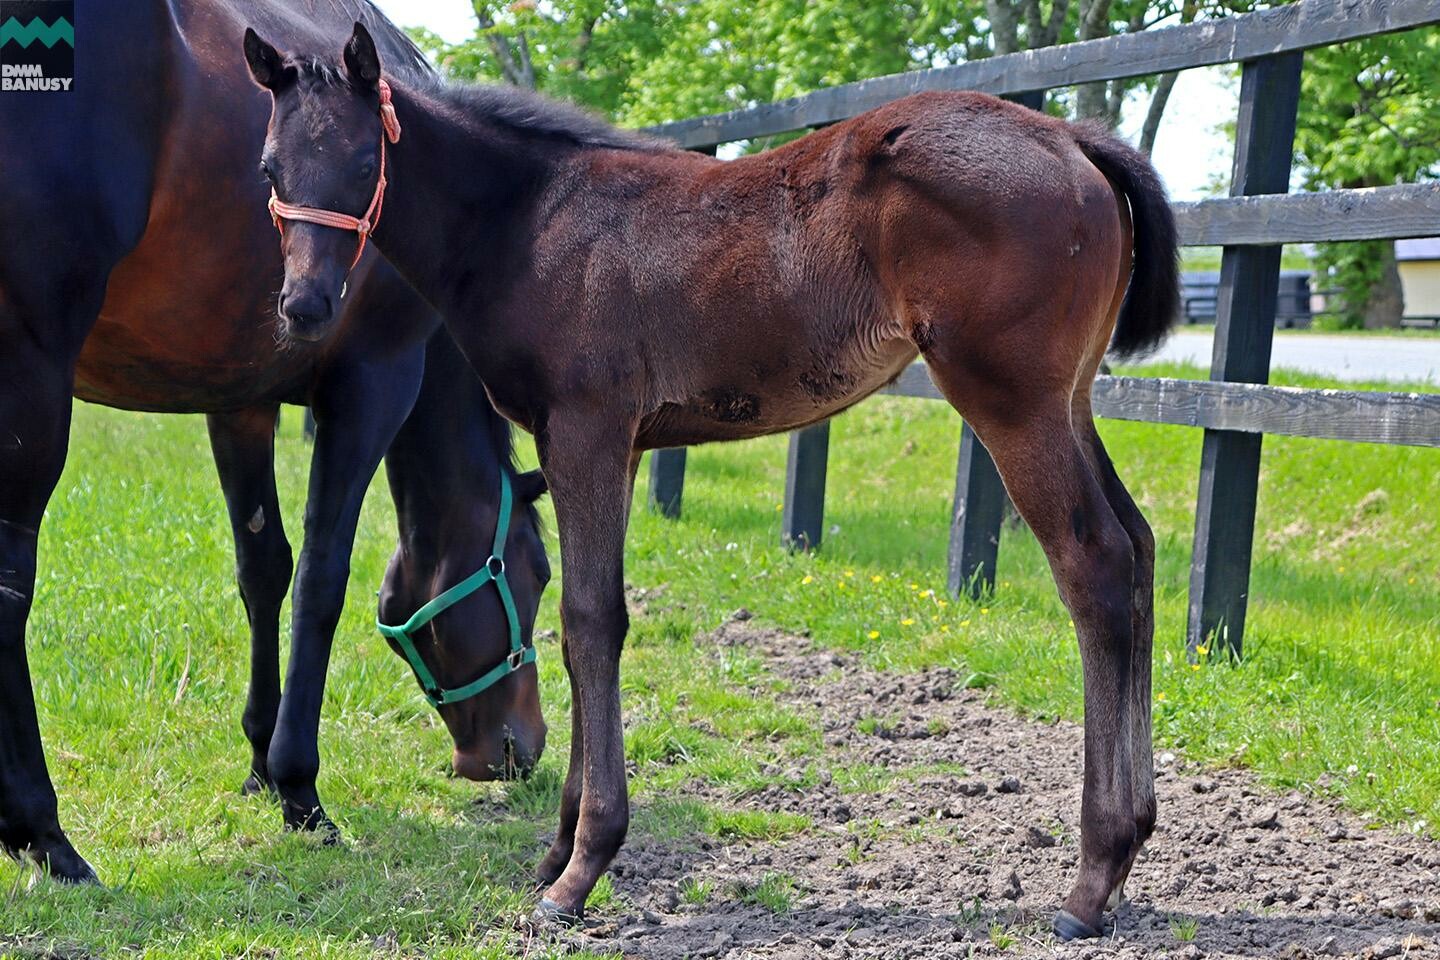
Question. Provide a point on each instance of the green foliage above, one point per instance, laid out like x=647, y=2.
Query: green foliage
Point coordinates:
x=1369, y=116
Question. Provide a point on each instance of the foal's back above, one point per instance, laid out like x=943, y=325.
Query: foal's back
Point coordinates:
x=774, y=290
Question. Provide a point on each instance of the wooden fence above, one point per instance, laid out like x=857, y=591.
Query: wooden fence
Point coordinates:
x=1235, y=407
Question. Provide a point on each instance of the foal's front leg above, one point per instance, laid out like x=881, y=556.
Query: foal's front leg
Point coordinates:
x=358, y=411
x=588, y=466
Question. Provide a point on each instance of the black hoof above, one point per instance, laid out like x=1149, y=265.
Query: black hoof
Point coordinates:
x=1070, y=927
x=256, y=785
x=551, y=912
x=314, y=821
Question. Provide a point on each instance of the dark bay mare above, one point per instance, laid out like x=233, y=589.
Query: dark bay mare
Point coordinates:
x=138, y=269
x=617, y=295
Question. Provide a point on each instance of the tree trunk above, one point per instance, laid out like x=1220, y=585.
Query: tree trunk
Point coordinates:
x=1158, y=100
x=1092, y=100
x=1004, y=25
x=1386, y=303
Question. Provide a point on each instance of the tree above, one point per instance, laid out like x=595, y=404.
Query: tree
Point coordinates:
x=1370, y=116
x=653, y=60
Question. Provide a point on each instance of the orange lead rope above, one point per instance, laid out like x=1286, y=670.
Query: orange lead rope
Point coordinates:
x=280, y=211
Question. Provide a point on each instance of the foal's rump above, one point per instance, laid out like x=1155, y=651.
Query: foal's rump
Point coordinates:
x=994, y=217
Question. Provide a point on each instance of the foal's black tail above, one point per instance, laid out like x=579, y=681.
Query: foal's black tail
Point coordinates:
x=1152, y=304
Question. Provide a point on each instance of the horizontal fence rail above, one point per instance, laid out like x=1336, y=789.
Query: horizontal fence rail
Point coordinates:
x=1377, y=213
x=1365, y=416
x=1296, y=26
x=1236, y=407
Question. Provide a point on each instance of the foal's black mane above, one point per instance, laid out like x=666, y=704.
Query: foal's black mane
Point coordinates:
x=533, y=115
x=527, y=114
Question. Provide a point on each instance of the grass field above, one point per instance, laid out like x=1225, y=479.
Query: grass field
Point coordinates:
x=138, y=654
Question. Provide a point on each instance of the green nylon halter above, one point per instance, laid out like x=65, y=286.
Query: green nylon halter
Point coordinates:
x=494, y=570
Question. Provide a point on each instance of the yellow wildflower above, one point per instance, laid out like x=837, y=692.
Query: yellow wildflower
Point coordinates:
x=874, y=634
x=807, y=579
x=908, y=622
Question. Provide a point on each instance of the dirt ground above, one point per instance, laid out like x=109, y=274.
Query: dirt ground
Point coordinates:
x=975, y=864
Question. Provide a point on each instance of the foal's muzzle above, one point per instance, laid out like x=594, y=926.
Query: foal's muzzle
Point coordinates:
x=307, y=315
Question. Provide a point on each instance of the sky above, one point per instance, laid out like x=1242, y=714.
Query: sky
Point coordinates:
x=1189, y=151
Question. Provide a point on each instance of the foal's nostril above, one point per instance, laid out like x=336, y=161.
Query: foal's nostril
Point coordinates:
x=306, y=315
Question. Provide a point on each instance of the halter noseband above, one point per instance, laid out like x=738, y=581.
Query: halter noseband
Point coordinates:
x=280, y=211
x=493, y=571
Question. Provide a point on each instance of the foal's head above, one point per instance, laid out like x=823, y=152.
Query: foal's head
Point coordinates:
x=324, y=152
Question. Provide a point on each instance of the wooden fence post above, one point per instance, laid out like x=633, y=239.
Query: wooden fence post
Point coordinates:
x=803, y=522
x=975, y=520
x=980, y=499
x=667, y=481
x=1244, y=331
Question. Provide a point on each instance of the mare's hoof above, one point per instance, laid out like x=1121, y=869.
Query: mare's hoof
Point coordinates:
x=318, y=823
x=63, y=865
x=255, y=785
x=549, y=911
x=1070, y=927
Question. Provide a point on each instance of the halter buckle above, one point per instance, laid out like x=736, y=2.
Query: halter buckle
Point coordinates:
x=496, y=566
x=516, y=659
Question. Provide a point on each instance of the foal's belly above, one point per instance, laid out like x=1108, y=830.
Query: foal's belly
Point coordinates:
x=795, y=395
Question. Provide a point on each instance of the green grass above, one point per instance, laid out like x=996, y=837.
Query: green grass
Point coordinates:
x=139, y=658
x=776, y=892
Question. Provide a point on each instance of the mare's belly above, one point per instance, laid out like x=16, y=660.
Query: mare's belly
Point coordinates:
x=189, y=340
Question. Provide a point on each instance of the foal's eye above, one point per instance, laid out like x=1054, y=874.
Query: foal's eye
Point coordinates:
x=367, y=169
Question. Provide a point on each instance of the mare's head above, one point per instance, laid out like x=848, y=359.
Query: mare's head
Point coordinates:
x=475, y=659
x=324, y=151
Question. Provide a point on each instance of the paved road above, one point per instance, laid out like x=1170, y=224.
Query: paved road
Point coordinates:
x=1342, y=357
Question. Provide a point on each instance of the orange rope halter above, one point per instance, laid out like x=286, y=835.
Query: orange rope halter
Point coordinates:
x=280, y=211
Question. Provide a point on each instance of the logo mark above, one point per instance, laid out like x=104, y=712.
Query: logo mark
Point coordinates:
x=37, y=46
x=13, y=31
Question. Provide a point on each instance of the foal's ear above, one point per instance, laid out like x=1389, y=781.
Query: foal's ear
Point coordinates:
x=530, y=486
x=267, y=66
x=362, y=60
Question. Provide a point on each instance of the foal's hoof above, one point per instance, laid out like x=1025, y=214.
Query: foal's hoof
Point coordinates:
x=549, y=911
x=1070, y=927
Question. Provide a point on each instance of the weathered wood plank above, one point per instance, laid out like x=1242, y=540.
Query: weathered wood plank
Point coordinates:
x=1293, y=27
x=1411, y=419
x=1379, y=213
x=1363, y=416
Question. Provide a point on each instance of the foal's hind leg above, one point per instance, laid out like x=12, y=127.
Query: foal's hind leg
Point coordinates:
x=1048, y=475
x=243, y=444
x=1143, y=631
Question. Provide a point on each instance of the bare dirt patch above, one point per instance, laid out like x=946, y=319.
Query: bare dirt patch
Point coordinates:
x=910, y=856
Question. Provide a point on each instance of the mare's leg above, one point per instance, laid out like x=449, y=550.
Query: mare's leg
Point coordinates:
x=358, y=409
x=36, y=376
x=1142, y=627
x=1046, y=470
x=244, y=446
x=590, y=470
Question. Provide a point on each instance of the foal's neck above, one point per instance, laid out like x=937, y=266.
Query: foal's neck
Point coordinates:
x=458, y=195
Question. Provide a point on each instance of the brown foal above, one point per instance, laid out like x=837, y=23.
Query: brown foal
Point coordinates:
x=617, y=295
